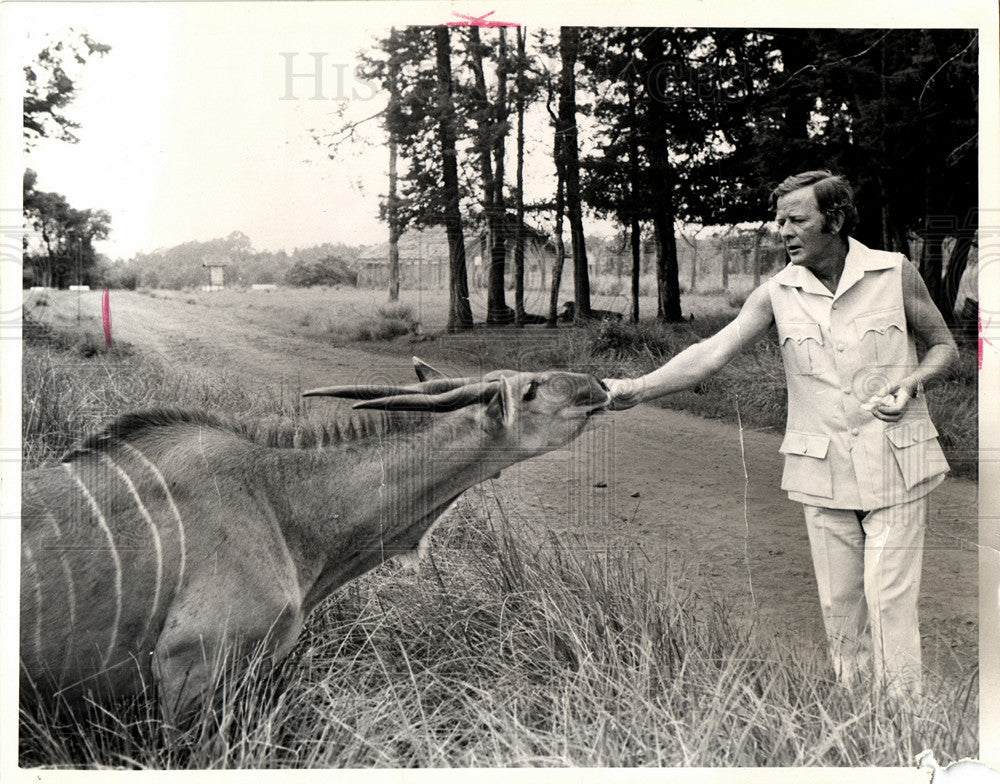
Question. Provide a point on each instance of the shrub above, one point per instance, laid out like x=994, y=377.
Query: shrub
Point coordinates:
x=735, y=299
x=390, y=321
x=328, y=271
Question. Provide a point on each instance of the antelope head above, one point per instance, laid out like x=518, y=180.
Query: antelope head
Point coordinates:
x=529, y=413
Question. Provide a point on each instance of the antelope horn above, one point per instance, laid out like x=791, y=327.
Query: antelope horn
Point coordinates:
x=374, y=391
x=479, y=392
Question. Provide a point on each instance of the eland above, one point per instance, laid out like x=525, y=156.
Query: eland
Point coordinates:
x=172, y=540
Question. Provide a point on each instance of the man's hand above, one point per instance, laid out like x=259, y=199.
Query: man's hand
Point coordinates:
x=625, y=392
x=890, y=404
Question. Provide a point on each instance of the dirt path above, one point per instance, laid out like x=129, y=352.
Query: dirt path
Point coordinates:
x=671, y=482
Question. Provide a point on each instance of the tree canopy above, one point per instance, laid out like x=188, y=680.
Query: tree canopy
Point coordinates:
x=50, y=86
x=698, y=125
x=61, y=252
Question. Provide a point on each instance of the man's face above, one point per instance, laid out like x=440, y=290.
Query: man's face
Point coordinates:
x=802, y=228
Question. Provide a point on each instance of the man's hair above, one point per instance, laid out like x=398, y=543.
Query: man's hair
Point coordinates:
x=833, y=195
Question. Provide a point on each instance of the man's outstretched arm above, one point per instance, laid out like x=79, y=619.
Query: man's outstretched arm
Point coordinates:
x=700, y=361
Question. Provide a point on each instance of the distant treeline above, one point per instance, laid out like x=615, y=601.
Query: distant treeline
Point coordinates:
x=184, y=266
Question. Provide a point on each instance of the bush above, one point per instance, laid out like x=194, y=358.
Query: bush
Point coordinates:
x=390, y=322
x=735, y=299
x=328, y=271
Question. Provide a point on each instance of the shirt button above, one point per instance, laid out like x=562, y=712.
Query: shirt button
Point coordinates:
x=840, y=347
x=847, y=390
x=855, y=431
x=916, y=438
x=834, y=305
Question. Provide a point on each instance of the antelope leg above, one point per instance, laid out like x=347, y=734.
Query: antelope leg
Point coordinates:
x=192, y=660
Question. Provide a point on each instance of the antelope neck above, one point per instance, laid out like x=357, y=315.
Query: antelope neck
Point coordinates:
x=345, y=513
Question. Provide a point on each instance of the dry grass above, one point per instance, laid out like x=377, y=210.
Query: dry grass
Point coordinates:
x=71, y=385
x=505, y=649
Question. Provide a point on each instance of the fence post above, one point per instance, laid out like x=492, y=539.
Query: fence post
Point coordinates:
x=694, y=264
x=756, y=259
x=725, y=263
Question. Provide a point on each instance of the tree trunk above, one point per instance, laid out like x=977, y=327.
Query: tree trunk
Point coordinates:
x=519, y=210
x=498, y=231
x=636, y=240
x=490, y=144
x=669, y=292
x=557, y=266
x=758, y=238
x=668, y=305
x=694, y=265
x=393, y=198
x=930, y=268
x=569, y=44
x=634, y=207
x=725, y=263
x=459, y=309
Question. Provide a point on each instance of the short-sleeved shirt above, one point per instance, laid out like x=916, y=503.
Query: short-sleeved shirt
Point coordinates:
x=838, y=349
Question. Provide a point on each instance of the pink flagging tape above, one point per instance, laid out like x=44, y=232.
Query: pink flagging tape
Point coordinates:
x=106, y=318
x=478, y=21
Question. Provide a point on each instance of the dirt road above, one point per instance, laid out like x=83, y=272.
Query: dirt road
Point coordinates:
x=692, y=492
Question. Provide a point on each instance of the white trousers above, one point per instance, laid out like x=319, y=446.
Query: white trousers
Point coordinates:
x=868, y=568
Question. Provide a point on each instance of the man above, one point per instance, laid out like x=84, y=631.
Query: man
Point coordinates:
x=860, y=451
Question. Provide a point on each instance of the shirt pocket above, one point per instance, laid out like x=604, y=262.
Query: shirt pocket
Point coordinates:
x=916, y=451
x=808, y=468
x=882, y=336
x=801, y=347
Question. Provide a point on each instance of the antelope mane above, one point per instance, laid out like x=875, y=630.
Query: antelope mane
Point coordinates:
x=357, y=429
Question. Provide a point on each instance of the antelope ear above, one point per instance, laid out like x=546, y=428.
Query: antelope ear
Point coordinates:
x=494, y=413
x=500, y=411
x=425, y=372
x=506, y=396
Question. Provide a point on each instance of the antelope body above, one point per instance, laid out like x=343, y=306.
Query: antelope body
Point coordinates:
x=171, y=539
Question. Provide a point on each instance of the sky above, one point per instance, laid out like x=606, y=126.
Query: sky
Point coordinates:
x=192, y=126
x=189, y=130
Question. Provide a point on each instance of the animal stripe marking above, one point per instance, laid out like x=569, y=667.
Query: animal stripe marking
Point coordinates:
x=173, y=506
x=70, y=589
x=156, y=542
x=67, y=572
x=30, y=563
x=114, y=554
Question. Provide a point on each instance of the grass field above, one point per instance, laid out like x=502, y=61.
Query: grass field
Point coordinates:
x=508, y=646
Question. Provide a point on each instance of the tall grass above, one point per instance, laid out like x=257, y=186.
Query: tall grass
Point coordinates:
x=71, y=384
x=507, y=647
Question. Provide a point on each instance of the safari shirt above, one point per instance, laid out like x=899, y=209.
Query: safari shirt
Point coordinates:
x=838, y=348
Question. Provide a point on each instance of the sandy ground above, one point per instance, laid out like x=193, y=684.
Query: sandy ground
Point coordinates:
x=697, y=495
